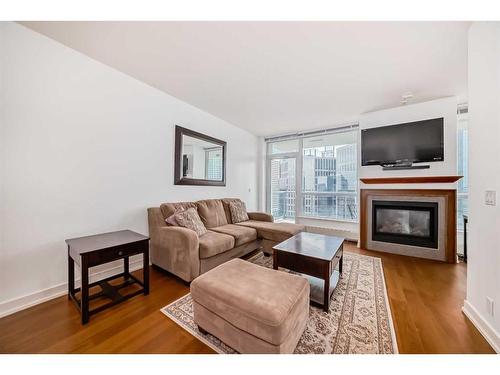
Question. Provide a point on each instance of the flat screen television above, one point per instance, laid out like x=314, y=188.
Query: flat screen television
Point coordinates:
x=411, y=142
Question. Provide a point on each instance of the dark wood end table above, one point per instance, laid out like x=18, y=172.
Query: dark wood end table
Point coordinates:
x=94, y=250
x=314, y=255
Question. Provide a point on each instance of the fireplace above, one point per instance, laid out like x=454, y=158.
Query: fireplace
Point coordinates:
x=405, y=222
x=412, y=222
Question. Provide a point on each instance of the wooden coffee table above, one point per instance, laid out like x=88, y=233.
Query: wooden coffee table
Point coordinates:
x=316, y=256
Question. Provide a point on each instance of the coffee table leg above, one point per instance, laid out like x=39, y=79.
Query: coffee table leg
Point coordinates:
x=341, y=262
x=326, y=291
x=275, y=259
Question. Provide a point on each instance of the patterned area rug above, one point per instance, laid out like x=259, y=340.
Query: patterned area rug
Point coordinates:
x=359, y=320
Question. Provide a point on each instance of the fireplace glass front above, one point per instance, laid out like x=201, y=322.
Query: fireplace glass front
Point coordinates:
x=410, y=223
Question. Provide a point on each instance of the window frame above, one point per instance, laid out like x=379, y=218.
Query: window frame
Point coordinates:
x=285, y=155
x=462, y=117
x=299, y=156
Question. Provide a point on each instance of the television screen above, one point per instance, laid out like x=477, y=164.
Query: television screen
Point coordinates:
x=419, y=141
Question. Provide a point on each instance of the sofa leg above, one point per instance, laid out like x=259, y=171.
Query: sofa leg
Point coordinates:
x=202, y=331
x=266, y=254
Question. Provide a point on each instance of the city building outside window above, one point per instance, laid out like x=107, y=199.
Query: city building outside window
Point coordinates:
x=282, y=179
x=314, y=177
x=329, y=177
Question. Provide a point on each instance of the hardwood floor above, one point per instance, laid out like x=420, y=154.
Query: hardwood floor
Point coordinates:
x=425, y=296
x=426, y=299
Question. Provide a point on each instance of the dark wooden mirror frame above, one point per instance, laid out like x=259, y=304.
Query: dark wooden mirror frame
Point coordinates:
x=178, y=180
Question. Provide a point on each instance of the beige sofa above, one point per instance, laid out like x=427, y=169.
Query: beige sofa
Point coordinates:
x=180, y=251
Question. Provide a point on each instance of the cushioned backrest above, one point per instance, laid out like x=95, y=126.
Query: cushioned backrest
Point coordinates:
x=227, y=210
x=168, y=209
x=212, y=212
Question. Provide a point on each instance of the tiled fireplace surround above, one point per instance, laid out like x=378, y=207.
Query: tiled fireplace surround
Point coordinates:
x=446, y=218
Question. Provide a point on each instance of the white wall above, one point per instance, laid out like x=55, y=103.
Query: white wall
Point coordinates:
x=483, y=266
x=445, y=107
x=86, y=149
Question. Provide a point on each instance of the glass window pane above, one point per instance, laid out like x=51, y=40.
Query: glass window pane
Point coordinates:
x=329, y=176
x=283, y=189
x=462, y=151
x=462, y=164
x=330, y=163
x=463, y=183
x=337, y=206
x=283, y=147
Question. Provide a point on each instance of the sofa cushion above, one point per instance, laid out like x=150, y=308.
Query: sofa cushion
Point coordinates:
x=212, y=212
x=273, y=231
x=241, y=234
x=213, y=243
x=260, y=216
x=258, y=300
x=191, y=220
x=227, y=210
x=168, y=209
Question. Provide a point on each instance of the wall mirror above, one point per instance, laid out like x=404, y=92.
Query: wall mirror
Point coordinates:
x=199, y=159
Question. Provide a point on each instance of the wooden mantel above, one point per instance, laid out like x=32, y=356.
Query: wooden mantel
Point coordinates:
x=411, y=180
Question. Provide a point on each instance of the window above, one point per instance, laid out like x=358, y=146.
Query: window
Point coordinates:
x=283, y=189
x=282, y=157
x=329, y=176
x=314, y=176
x=283, y=147
x=462, y=164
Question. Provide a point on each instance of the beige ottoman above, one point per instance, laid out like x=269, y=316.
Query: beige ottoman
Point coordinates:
x=251, y=308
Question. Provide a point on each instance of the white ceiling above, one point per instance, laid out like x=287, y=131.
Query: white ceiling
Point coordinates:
x=277, y=77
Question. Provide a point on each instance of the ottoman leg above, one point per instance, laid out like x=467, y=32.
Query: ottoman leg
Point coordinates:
x=202, y=330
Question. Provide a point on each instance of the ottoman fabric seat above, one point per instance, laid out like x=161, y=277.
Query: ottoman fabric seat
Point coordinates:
x=251, y=308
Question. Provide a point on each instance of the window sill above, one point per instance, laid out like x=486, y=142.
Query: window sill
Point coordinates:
x=328, y=219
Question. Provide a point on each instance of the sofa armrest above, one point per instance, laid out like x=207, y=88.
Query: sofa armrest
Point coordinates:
x=175, y=249
x=260, y=216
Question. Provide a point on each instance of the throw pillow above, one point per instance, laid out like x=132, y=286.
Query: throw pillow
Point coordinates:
x=238, y=211
x=191, y=220
x=171, y=219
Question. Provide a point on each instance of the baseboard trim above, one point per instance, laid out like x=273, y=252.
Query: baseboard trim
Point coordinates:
x=488, y=332
x=21, y=303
